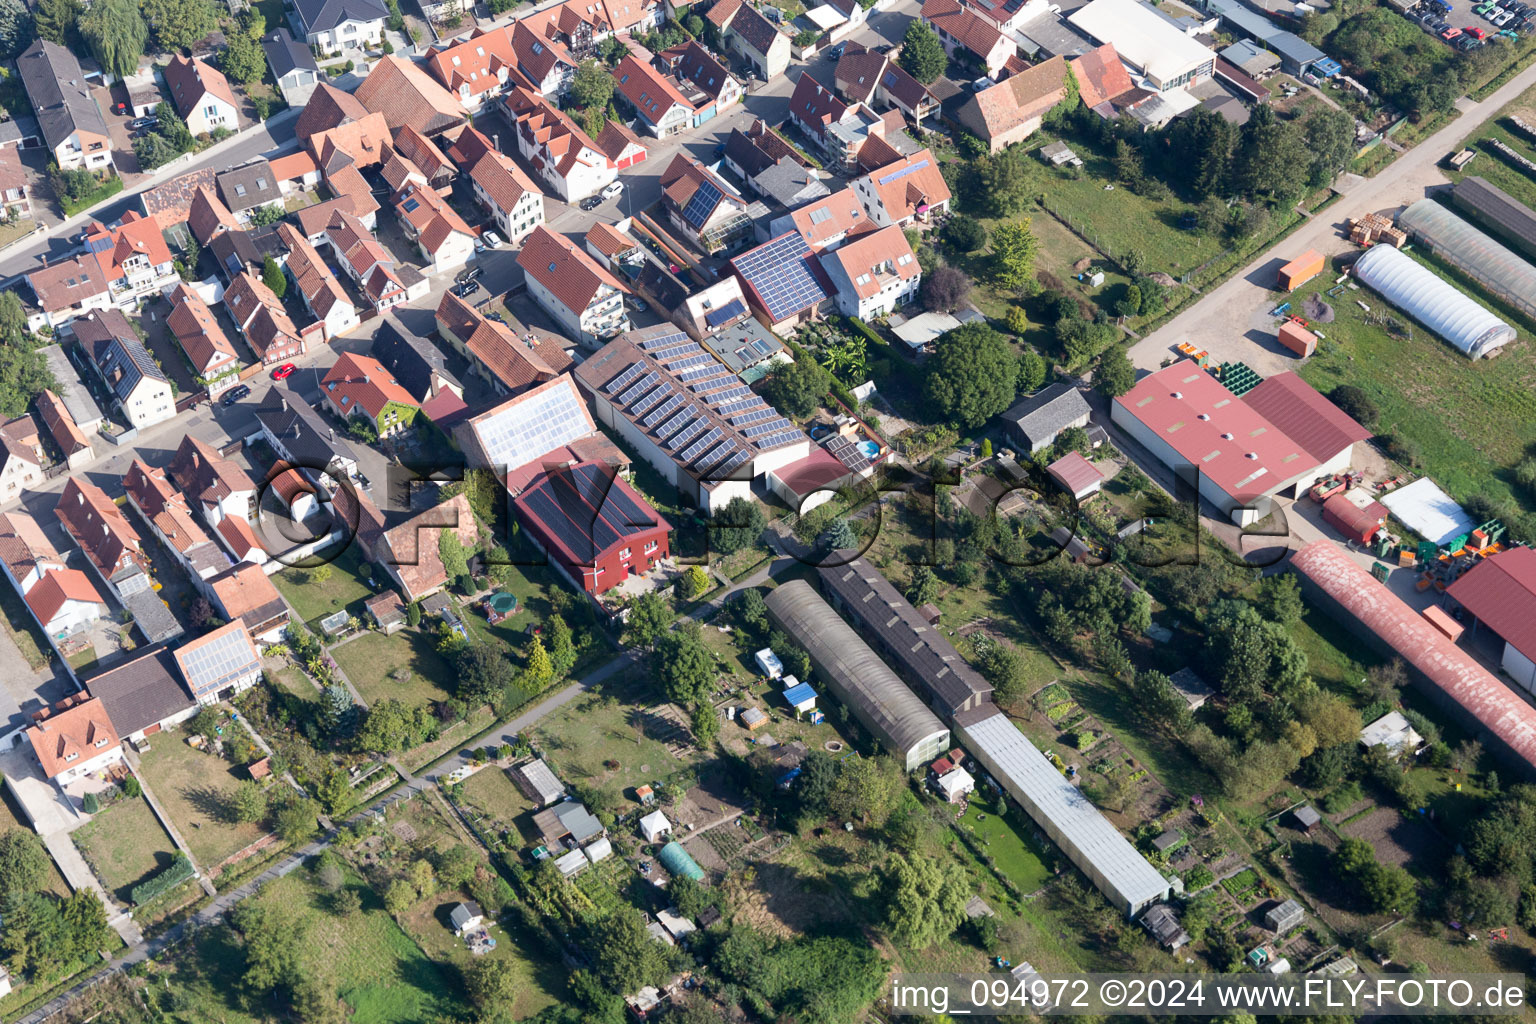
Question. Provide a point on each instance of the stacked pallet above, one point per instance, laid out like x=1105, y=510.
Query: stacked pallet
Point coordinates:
x=1376, y=227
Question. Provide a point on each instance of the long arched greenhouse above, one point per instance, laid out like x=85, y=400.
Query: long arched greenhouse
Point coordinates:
x=1502, y=271
x=1432, y=301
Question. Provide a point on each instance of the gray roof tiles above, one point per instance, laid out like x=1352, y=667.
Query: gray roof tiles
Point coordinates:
x=56, y=86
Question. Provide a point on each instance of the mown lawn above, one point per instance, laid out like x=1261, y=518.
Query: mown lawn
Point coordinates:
x=197, y=790
x=372, y=659
x=1492, y=167
x=1010, y=851
x=313, y=598
x=125, y=844
x=1416, y=382
x=491, y=790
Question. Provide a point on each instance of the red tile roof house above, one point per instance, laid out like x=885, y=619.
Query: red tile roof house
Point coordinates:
x=595, y=527
x=202, y=95
x=439, y=233
x=26, y=553
x=510, y=363
x=568, y=284
x=66, y=432
x=621, y=145
x=1013, y=110
x=99, y=528
x=65, y=603
x=21, y=458
x=476, y=69
x=14, y=185
x=245, y=593
x=322, y=293
x=133, y=257
x=566, y=158
x=826, y=223
x=874, y=274
x=1500, y=592
x=164, y=509
x=709, y=87
x=865, y=76
x=198, y=332
x=169, y=202
x=218, y=487
x=361, y=386
x=74, y=739
x=661, y=106
x=365, y=261
x=702, y=206
x=259, y=316
x=426, y=156
x=409, y=551
x=406, y=95
x=750, y=34
x=963, y=30
x=907, y=190
x=66, y=290
x=501, y=187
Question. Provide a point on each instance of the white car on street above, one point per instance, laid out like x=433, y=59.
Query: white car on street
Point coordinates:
x=613, y=189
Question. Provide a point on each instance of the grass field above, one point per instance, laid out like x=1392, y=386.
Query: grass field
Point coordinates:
x=1014, y=856
x=23, y=629
x=490, y=790
x=197, y=790
x=312, y=599
x=125, y=844
x=540, y=981
x=1414, y=381
x=378, y=971
x=12, y=818
x=371, y=660
x=1492, y=167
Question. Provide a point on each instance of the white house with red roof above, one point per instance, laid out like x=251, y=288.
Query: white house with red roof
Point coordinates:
x=475, y=69
x=826, y=223
x=906, y=190
x=365, y=260
x=586, y=300
x=120, y=266
x=74, y=739
x=317, y=285
x=501, y=186
x=440, y=234
x=1500, y=593
x=874, y=274
x=702, y=206
x=202, y=95
x=661, y=106
x=64, y=603
x=564, y=156
x=961, y=29
x=361, y=386
x=198, y=333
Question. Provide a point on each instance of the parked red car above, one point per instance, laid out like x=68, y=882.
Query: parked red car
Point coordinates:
x=283, y=372
x=1475, y=32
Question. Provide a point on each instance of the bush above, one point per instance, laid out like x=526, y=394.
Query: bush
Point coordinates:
x=179, y=870
x=90, y=804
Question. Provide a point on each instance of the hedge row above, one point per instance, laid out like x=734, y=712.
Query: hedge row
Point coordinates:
x=178, y=871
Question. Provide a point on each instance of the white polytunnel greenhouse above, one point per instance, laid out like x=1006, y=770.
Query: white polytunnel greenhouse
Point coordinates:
x=1429, y=299
x=1503, y=272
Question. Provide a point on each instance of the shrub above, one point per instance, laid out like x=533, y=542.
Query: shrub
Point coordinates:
x=179, y=870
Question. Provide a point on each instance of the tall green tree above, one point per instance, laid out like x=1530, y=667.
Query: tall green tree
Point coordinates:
x=177, y=24
x=631, y=958
x=683, y=666
x=1014, y=248
x=483, y=674
x=925, y=900
x=243, y=59
x=273, y=277
x=922, y=54
x=972, y=374
x=16, y=28
x=1114, y=375
x=592, y=85
x=736, y=526
x=650, y=616
x=116, y=34
x=797, y=388
x=1265, y=162
x=23, y=863
x=1330, y=136
x=58, y=21
x=1198, y=153
x=562, y=645
x=539, y=671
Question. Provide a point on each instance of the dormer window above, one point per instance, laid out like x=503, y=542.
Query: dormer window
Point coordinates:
x=72, y=755
x=101, y=743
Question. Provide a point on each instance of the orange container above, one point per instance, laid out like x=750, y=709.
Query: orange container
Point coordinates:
x=1297, y=338
x=1301, y=270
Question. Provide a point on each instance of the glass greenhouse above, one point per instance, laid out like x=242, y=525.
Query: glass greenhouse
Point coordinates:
x=1432, y=301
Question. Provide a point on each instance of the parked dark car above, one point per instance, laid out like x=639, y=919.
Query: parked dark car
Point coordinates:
x=466, y=289
x=469, y=273
x=144, y=122
x=235, y=393
x=591, y=202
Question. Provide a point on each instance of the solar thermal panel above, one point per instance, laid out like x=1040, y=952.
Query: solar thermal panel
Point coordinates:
x=898, y=175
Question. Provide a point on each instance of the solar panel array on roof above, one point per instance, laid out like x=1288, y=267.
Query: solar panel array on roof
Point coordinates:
x=731, y=463
x=625, y=378
x=714, y=455
x=218, y=663
x=662, y=355
x=778, y=424
x=696, y=213
x=898, y=175
x=781, y=275
x=749, y=416
x=696, y=371
x=639, y=387
x=651, y=399
x=653, y=343
x=718, y=397
x=689, y=432
x=693, y=450
x=676, y=423
x=775, y=440
x=662, y=411
x=712, y=382
x=725, y=313
x=848, y=453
